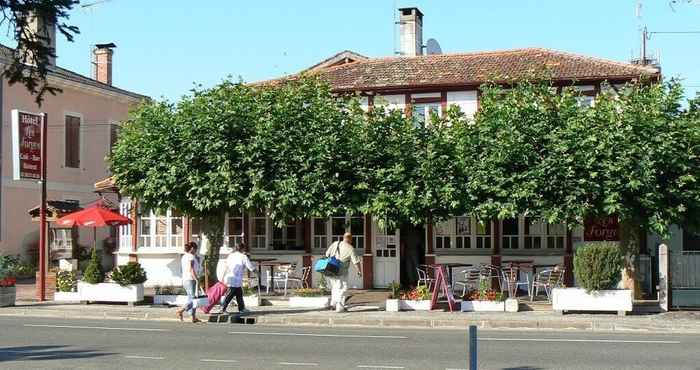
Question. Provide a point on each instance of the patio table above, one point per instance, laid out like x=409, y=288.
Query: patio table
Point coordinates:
x=259, y=262
x=272, y=265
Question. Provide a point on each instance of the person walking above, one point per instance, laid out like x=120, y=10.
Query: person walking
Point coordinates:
x=236, y=263
x=345, y=253
x=190, y=266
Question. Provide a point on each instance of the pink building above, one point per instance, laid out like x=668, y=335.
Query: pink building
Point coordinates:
x=83, y=122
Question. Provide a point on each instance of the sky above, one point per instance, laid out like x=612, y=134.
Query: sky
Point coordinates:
x=165, y=47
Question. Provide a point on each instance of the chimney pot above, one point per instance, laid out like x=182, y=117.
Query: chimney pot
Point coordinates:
x=102, y=62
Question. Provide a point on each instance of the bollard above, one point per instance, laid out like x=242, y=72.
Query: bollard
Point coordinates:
x=472, y=347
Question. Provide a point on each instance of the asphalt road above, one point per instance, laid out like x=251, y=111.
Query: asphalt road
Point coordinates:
x=27, y=343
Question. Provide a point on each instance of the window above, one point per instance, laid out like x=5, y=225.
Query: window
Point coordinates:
x=536, y=234
x=462, y=232
x=72, y=148
x=234, y=229
x=62, y=239
x=161, y=229
x=259, y=230
x=113, y=136
x=125, y=231
x=288, y=237
x=421, y=112
x=338, y=225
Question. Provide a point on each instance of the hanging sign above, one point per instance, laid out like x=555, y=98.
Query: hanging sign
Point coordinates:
x=601, y=229
x=26, y=145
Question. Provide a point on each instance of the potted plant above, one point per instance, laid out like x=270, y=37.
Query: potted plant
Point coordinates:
x=169, y=295
x=66, y=287
x=310, y=298
x=8, y=279
x=392, y=303
x=417, y=299
x=483, y=300
x=597, y=267
x=127, y=286
x=250, y=296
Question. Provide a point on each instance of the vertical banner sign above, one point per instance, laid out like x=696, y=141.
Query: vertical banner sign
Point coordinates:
x=26, y=145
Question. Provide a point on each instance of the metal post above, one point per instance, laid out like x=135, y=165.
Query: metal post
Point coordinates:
x=472, y=347
x=42, y=212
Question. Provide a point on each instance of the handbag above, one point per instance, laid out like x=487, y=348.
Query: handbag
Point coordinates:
x=329, y=266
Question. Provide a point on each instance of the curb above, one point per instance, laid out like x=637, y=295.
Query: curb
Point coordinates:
x=646, y=326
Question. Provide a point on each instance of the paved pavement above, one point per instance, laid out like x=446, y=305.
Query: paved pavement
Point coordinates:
x=28, y=343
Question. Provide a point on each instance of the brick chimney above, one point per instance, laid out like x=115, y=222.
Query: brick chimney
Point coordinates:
x=102, y=62
x=411, y=31
x=43, y=31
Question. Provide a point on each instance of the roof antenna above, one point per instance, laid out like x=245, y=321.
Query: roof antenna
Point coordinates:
x=396, y=23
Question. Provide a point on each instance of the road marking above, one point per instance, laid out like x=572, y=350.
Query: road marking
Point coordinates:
x=320, y=335
x=379, y=367
x=145, y=357
x=91, y=327
x=298, y=363
x=578, y=340
x=215, y=360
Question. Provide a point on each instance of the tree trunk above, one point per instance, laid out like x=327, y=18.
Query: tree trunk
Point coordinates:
x=213, y=230
x=629, y=245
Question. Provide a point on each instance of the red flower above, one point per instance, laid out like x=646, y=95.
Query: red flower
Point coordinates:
x=8, y=282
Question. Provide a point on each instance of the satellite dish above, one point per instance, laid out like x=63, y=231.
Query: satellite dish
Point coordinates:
x=433, y=47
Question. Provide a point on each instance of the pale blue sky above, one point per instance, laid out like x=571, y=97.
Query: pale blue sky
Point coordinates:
x=164, y=46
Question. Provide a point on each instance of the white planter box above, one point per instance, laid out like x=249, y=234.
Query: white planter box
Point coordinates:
x=310, y=302
x=417, y=305
x=7, y=296
x=576, y=299
x=66, y=297
x=512, y=305
x=110, y=292
x=483, y=306
x=170, y=299
x=252, y=300
x=392, y=305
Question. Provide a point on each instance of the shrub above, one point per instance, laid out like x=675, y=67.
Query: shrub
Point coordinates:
x=131, y=273
x=66, y=281
x=310, y=292
x=597, y=266
x=395, y=290
x=93, y=272
x=8, y=270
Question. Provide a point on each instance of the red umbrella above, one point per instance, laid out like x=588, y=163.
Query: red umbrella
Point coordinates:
x=94, y=216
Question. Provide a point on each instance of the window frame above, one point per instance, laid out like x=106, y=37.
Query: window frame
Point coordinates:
x=330, y=237
x=524, y=233
x=80, y=138
x=152, y=240
x=447, y=232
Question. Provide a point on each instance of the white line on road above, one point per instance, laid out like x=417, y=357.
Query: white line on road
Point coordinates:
x=215, y=360
x=379, y=367
x=578, y=340
x=320, y=335
x=145, y=357
x=91, y=327
x=298, y=363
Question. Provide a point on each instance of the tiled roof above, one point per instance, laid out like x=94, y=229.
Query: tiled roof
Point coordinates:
x=474, y=69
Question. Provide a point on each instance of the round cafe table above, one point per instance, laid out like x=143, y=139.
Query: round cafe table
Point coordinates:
x=259, y=262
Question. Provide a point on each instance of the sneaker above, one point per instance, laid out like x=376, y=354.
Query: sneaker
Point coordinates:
x=245, y=310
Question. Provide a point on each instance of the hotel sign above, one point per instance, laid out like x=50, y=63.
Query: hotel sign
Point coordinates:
x=26, y=145
x=601, y=229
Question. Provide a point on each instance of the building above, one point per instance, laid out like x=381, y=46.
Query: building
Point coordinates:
x=417, y=84
x=83, y=123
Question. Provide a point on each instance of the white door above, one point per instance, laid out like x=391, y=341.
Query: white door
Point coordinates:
x=386, y=253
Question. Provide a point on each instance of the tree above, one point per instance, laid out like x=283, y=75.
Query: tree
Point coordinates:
x=33, y=47
x=192, y=157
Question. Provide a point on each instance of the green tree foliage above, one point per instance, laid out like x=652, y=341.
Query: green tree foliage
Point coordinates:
x=597, y=266
x=131, y=273
x=93, y=272
x=32, y=47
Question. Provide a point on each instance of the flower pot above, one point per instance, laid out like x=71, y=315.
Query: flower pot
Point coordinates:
x=170, y=299
x=512, y=305
x=110, y=292
x=310, y=302
x=577, y=299
x=414, y=305
x=66, y=297
x=392, y=305
x=483, y=306
x=251, y=300
x=8, y=295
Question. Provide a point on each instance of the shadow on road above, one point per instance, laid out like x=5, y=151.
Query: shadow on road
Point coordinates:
x=44, y=353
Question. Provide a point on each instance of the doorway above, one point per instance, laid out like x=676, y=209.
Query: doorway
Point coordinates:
x=412, y=253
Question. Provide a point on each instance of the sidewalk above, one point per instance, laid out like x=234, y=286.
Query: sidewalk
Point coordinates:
x=364, y=316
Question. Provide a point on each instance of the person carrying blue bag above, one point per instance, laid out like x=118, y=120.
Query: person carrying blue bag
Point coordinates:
x=344, y=252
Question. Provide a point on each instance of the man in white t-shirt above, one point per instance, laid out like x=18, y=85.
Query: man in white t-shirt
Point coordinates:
x=236, y=264
x=343, y=251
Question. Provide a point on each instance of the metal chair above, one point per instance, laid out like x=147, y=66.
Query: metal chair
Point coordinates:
x=423, y=278
x=286, y=275
x=490, y=272
x=511, y=279
x=472, y=279
x=548, y=280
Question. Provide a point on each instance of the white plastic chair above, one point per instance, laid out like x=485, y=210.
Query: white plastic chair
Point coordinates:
x=424, y=279
x=288, y=278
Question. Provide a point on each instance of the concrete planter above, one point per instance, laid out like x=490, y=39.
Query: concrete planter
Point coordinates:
x=483, y=306
x=576, y=299
x=512, y=305
x=66, y=297
x=110, y=292
x=7, y=296
x=396, y=305
x=170, y=299
x=252, y=300
x=309, y=302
